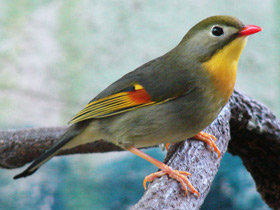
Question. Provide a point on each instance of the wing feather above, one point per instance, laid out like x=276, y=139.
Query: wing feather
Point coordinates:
x=131, y=98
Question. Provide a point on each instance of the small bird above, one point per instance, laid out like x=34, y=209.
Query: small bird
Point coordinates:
x=167, y=100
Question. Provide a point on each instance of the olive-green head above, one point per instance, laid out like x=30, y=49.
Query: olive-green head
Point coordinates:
x=209, y=36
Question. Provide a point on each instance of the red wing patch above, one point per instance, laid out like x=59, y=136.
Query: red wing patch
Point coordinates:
x=125, y=101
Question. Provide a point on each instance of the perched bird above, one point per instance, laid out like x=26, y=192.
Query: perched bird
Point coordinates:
x=169, y=99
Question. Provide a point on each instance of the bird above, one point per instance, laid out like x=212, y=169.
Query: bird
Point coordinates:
x=166, y=100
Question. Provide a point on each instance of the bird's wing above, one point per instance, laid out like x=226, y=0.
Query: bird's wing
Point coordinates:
x=152, y=83
x=130, y=98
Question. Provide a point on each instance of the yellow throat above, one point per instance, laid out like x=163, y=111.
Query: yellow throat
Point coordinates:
x=223, y=66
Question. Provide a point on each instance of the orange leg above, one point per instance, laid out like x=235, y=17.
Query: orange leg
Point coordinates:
x=165, y=170
x=166, y=146
x=208, y=139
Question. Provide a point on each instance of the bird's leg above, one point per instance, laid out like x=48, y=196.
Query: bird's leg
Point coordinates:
x=208, y=139
x=165, y=170
x=167, y=146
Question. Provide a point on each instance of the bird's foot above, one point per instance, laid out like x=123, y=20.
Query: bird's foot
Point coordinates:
x=208, y=139
x=180, y=176
x=165, y=170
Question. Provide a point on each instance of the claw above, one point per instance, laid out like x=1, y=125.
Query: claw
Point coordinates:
x=208, y=139
x=180, y=176
x=151, y=177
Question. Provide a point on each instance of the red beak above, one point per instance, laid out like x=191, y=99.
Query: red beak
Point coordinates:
x=249, y=30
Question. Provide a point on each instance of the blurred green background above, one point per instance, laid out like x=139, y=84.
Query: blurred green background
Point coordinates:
x=56, y=55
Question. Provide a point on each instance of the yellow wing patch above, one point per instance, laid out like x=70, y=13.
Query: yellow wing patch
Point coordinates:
x=116, y=104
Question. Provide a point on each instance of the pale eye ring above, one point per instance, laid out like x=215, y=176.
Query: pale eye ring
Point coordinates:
x=217, y=31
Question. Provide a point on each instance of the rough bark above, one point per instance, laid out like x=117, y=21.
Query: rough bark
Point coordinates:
x=255, y=137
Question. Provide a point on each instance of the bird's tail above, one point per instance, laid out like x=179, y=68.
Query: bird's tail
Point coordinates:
x=71, y=133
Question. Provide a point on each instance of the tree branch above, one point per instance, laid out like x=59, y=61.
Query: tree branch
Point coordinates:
x=29, y=144
x=255, y=137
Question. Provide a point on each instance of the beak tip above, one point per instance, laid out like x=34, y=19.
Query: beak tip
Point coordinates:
x=249, y=30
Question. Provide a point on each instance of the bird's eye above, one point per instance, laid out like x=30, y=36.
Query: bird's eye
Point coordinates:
x=217, y=31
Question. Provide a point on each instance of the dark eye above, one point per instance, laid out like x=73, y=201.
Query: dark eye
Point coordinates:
x=217, y=31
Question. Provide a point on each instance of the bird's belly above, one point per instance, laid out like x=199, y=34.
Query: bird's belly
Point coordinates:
x=168, y=122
